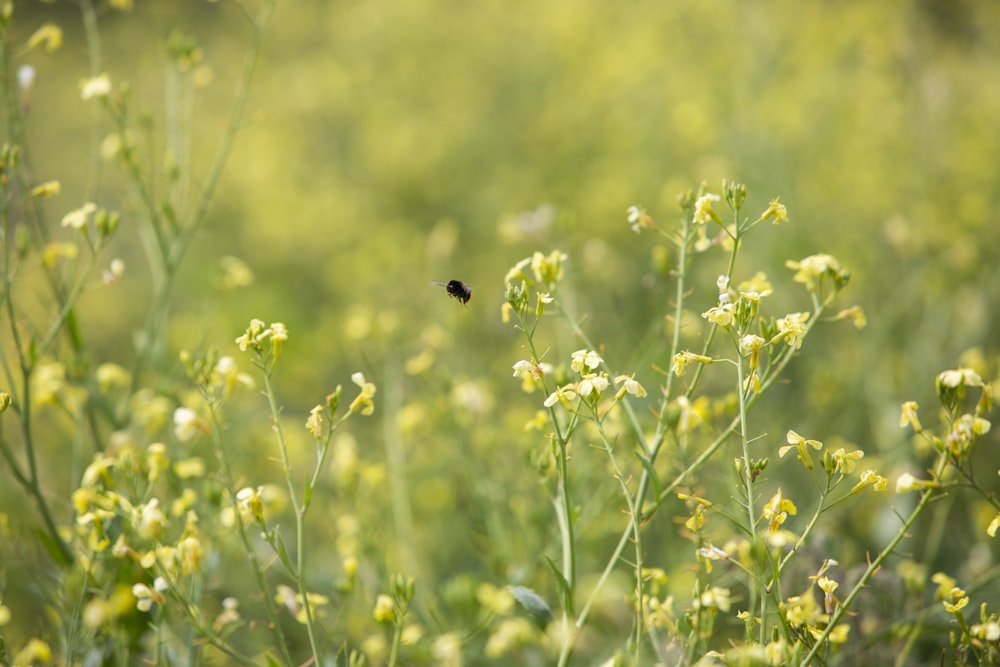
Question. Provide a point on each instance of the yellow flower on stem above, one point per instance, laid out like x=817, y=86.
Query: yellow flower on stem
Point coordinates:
x=801, y=445
x=364, y=400
x=777, y=510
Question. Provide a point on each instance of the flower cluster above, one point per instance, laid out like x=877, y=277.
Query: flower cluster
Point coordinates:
x=590, y=385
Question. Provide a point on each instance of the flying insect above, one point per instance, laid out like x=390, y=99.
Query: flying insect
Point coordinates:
x=456, y=289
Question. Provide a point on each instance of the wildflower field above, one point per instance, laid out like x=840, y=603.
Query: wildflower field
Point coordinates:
x=721, y=394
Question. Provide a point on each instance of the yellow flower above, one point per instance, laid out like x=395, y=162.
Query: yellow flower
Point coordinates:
x=758, y=285
x=47, y=189
x=364, y=399
x=703, y=211
x=957, y=600
x=55, y=251
x=682, y=360
x=190, y=468
x=908, y=415
x=585, y=359
x=34, y=652
x=697, y=519
x=109, y=376
x=629, y=385
x=776, y=211
x=791, y=329
x=235, y=273
x=156, y=460
x=907, y=482
x=723, y=315
x=187, y=424
x=777, y=510
x=962, y=376
x=991, y=530
x=989, y=631
x=50, y=34
x=250, y=504
x=639, y=219
x=843, y=461
x=854, y=313
x=149, y=520
x=146, y=597
x=945, y=585
x=314, y=423
x=279, y=334
x=548, y=268
x=800, y=444
x=593, y=385
x=384, y=610
x=190, y=552
x=870, y=478
x=811, y=270
x=563, y=395
x=828, y=586
x=714, y=598
x=99, y=471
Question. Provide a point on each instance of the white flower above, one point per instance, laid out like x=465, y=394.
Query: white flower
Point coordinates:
x=906, y=482
x=98, y=86
x=78, y=219
x=25, y=76
x=186, y=424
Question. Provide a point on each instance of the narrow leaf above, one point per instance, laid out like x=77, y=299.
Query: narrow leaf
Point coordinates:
x=648, y=465
x=565, y=594
x=533, y=603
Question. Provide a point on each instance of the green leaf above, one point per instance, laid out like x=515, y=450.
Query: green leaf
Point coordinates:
x=272, y=661
x=57, y=550
x=533, y=603
x=565, y=594
x=279, y=544
x=341, y=659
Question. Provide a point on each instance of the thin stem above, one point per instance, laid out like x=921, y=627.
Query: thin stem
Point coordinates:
x=748, y=482
x=297, y=509
x=770, y=378
x=248, y=549
x=563, y=507
x=633, y=514
x=874, y=565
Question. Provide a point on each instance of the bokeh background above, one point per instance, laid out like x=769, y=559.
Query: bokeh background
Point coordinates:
x=390, y=144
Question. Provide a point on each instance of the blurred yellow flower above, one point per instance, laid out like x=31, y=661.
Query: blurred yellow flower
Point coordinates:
x=776, y=211
x=47, y=189
x=363, y=401
x=384, y=610
x=703, y=211
x=50, y=34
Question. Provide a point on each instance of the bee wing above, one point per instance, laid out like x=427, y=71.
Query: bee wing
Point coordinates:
x=439, y=283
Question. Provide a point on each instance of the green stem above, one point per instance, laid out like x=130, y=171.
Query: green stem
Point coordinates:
x=874, y=565
x=564, y=510
x=633, y=514
x=748, y=482
x=658, y=439
x=298, y=510
x=248, y=549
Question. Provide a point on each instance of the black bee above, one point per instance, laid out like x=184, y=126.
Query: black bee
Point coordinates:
x=456, y=289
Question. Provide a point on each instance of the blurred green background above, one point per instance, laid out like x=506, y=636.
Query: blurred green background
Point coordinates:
x=389, y=144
